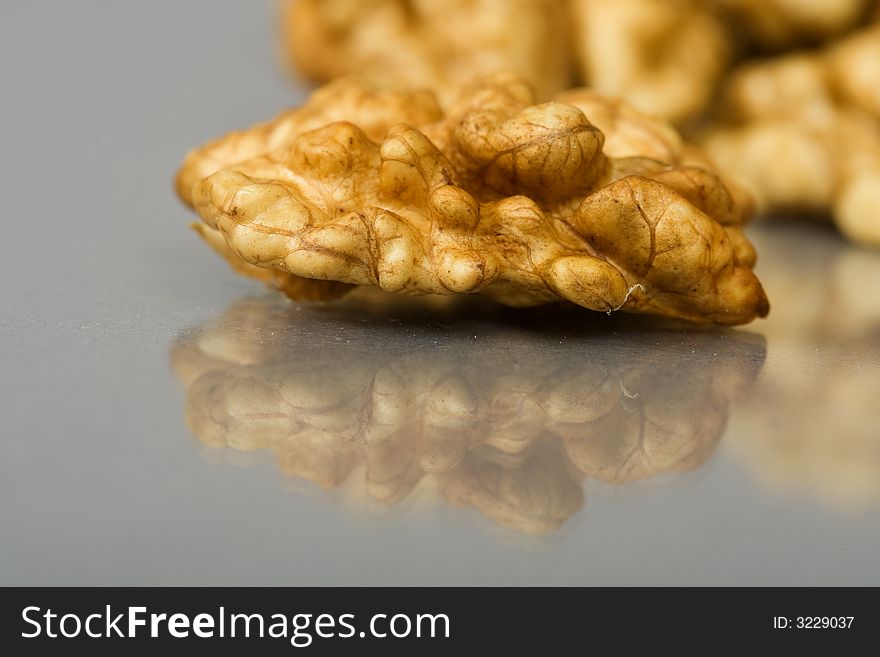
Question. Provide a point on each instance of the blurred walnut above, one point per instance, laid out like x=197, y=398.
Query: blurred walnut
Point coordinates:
x=504, y=420
x=666, y=57
x=803, y=133
x=854, y=69
x=433, y=43
x=513, y=200
x=778, y=24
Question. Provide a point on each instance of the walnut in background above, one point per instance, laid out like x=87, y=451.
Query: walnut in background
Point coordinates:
x=666, y=57
x=802, y=132
x=777, y=25
x=814, y=154
x=436, y=44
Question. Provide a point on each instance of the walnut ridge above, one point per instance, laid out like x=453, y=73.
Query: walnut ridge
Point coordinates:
x=517, y=201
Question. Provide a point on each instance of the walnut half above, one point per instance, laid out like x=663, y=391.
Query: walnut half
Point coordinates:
x=521, y=202
x=802, y=132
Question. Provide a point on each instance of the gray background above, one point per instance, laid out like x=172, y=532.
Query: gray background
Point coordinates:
x=102, y=483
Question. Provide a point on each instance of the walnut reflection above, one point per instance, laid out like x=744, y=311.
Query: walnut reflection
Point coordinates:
x=510, y=413
x=813, y=425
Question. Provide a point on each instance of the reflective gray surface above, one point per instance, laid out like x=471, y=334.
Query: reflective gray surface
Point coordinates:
x=165, y=422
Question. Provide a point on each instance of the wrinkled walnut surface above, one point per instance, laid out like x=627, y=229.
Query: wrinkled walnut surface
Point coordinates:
x=512, y=424
x=374, y=112
x=517, y=201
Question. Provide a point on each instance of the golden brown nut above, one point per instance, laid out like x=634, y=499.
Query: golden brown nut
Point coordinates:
x=664, y=56
x=854, y=69
x=375, y=112
x=503, y=197
x=802, y=132
x=628, y=132
x=435, y=43
x=777, y=24
x=510, y=422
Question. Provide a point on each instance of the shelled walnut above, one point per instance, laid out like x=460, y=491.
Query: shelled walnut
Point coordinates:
x=439, y=44
x=669, y=58
x=780, y=24
x=802, y=131
x=666, y=57
x=517, y=201
x=374, y=111
x=509, y=421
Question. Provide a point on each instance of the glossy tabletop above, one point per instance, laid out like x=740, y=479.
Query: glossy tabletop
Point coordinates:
x=167, y=422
